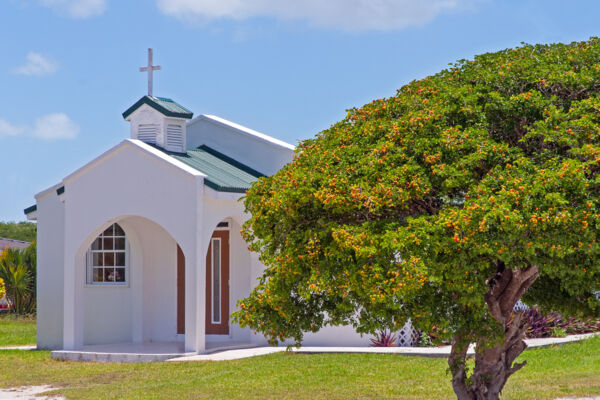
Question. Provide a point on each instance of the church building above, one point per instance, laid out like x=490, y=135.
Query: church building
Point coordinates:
x=142, y=244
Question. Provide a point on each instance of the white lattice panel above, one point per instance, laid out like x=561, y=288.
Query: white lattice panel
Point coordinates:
x=407, y=336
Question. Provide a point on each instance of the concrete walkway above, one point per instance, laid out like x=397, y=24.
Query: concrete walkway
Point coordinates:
x=154, y=353
x=18, y=347
x=443, y=351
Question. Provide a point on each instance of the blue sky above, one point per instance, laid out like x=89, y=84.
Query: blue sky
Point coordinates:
x=288, y=68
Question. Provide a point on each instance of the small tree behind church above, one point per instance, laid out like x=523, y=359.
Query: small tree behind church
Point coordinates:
x=18, y=273
x=445, y=203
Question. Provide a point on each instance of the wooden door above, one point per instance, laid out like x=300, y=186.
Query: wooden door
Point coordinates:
x=217, y=284
x=180, y=291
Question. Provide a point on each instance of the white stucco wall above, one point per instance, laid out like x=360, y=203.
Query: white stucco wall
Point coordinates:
x=262, y=155
x=159, y=286
x=239, y=278
x=146, y=308
x=50, y=261
x=131, y=181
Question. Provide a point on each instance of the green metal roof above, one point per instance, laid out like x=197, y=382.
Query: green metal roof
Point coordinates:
x=31, y=209
x=166, y=106
x=224, y=174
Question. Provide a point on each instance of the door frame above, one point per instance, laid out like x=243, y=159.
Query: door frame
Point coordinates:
x=222, y=327
x=180, y=291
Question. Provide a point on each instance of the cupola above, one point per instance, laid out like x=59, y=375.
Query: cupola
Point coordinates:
x=157, y=120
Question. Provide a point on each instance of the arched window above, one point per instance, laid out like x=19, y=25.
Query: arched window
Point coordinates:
x=107, y=258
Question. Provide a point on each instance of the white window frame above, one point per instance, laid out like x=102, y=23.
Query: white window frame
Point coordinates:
x=89, y=267
x=212, y=283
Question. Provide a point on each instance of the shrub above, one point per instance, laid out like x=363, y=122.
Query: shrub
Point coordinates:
x=384, y=339
x=425, y=340
x=2, y=288
x=558, y=332
x=18, y=272
x=541, y=325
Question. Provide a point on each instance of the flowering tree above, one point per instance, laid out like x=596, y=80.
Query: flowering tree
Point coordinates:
x=446, y=203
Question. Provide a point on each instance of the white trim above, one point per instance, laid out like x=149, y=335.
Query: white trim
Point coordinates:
x=49, y=190
x=212, y=280
x=32, y=216
x=242, y=129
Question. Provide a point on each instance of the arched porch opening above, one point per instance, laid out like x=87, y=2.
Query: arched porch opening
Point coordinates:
x=132, y=288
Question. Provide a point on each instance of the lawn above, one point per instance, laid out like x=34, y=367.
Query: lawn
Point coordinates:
x=570, y=370
x=16, y=331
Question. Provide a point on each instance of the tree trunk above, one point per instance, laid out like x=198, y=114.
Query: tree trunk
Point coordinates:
x=494, y=365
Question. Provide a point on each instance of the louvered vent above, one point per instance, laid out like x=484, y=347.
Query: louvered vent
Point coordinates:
x=147, y=133
x=174, y=137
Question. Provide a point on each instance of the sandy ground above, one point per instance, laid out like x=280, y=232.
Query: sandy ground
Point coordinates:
x=27, y=392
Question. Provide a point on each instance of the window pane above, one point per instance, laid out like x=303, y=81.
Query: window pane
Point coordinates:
x=118, y=230
x=97, y=259
x=216, y=275
x=97, y=245
x=120, y=274
x=108, y=243
x=120, y=244
x=108, y=231
x=120, y=259
x=109, y=259
x=109, y=275
x=98, y=277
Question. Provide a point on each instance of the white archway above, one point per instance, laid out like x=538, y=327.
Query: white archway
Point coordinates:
x=144, y=309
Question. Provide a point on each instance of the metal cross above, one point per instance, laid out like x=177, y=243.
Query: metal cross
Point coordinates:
x=150, y=68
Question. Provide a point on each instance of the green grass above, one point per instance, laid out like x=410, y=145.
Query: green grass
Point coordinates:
x=570, y=370
x=16, y=331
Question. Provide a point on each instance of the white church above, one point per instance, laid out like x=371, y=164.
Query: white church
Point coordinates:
x=140, y=250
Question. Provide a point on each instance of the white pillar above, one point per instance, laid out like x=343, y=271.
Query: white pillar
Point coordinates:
x=200, y=269
x=136, y=279
x=74, y=275
x=195, y=278
x=190, y=299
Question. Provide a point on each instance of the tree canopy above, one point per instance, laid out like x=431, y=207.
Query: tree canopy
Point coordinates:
x=445, y=203
x=25, y=231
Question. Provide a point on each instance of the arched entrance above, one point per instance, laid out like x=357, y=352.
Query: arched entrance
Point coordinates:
x=134, y=288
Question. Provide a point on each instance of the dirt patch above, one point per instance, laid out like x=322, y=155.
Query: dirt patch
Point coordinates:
x=28, y=393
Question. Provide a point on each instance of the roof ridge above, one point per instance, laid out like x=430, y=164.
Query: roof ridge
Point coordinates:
x=231, y=161
x=177, y=110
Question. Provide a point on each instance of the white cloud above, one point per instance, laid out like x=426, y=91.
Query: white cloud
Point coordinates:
x=37, y=65
x=55, y=126
x=8, y=129
x=349, y=15
x=76, y=8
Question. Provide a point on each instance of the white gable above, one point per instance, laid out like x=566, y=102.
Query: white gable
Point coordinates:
x=257, y=150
